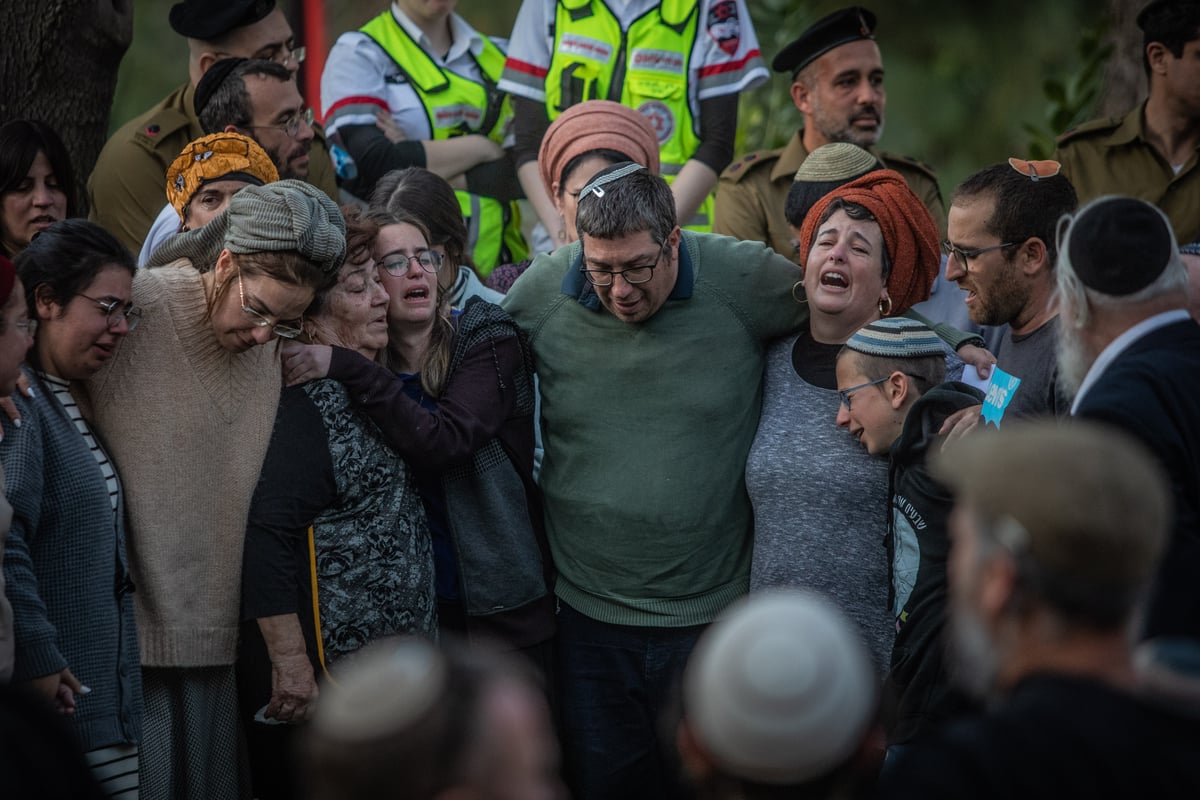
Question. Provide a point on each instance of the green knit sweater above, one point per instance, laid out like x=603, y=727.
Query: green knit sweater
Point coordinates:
x=646, y=428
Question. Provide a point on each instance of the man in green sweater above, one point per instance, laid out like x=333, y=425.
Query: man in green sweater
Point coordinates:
x=649, y=344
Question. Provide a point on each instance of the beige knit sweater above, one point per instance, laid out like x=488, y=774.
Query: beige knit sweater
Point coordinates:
x=187, y=423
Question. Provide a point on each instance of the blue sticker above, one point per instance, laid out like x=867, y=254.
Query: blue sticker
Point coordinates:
x=999, y=394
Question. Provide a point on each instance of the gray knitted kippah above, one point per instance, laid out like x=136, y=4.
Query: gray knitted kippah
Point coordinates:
x=896, y=337
x=285, y=215
x=838, y=161
x=1190, y=249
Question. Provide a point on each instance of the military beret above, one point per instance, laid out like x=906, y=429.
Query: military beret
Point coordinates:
x=211, y=80
x=840, y=27
x=211, y=19
x=1119, y=245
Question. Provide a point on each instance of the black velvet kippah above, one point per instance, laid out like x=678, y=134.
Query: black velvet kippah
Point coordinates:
x=212, y=80
x=1119, y=245
x=211, y=19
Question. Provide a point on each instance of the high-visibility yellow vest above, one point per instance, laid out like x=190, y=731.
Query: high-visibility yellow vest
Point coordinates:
x=457, y=106
x=644, y=68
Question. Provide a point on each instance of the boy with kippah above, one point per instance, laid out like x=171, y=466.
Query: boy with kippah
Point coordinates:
x=893, y=400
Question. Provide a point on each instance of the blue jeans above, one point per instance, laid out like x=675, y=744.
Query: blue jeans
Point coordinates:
x=616, y=683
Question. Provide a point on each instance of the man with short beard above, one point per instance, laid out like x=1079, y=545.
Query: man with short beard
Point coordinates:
x=125, y=190
x=837, y=84
x=256, y=98
x=1057, y=532
x=1129, y=345
x=1001, y=249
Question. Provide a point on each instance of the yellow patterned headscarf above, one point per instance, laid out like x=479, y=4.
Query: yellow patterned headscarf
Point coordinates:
x=218, y=156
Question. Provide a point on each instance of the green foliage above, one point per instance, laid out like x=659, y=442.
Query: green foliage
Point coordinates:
x=766, y=116
x=964, y=81
x=1070, y=97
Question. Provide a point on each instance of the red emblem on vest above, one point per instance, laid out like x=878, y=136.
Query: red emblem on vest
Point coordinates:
x=723, y=26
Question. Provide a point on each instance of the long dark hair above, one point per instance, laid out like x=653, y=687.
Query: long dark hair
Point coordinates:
x=20, y=142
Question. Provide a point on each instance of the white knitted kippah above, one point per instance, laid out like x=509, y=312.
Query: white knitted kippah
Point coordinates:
x=781, y=689
x=387, y=687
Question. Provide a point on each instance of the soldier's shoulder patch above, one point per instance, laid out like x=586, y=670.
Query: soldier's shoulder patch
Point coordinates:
x=1105, y=125
x=747, y=164
x=899, y=163
x=158, y=130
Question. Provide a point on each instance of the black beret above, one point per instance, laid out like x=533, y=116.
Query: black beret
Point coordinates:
x=1162, y=16
x=211, y=19
x=212, y=80
x=838, y=28
x=1119, y=245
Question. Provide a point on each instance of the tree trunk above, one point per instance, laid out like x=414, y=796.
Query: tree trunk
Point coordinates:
x=59, y=65
x=1124, y=84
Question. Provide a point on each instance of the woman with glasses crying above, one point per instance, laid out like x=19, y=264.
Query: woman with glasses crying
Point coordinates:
x=65, y=564
x=454, y=397
x=187, y=413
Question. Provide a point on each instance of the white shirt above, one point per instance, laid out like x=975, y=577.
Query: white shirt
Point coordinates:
x=166, y=225
x=1118, y=345
x=360, y=78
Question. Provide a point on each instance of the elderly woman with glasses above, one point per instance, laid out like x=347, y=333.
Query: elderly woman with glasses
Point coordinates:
x=66, y=564
x=455, y=398
x=869, y=250
x=187, y=414
x=337, y=550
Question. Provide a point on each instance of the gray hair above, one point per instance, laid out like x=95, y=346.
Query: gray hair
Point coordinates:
x=636, y=202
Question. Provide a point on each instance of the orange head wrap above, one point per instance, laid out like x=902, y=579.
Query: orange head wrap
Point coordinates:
x=909, y=232
x=596, y=125
x=213, y=158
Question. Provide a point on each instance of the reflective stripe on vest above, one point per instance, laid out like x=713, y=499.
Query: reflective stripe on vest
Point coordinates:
x=456, y=106
x=645, y=68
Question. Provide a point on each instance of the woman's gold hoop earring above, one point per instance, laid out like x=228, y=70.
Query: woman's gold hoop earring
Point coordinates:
x=803, y=299
x=882, y=311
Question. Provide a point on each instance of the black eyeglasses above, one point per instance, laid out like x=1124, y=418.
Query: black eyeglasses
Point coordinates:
x=115, y=312
x=963, y=256
x=396, y=264
x=632, y=275
x=292, y=126
x=845, y=395
x=288, y=330
x=282, y=55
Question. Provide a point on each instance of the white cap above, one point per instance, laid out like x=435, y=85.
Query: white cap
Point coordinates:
x=384, y=689
x=781, y=689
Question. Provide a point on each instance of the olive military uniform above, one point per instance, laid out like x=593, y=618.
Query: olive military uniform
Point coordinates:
x=753, y=191
x=1113, y=156
x=127, y=188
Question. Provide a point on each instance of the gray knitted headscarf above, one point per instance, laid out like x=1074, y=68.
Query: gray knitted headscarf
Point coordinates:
x=285, y=215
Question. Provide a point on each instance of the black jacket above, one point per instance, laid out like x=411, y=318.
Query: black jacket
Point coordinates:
x=918, y=545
